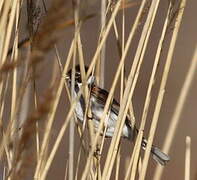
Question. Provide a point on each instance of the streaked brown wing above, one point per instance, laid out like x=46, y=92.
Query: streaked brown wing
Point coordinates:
x=101, y=96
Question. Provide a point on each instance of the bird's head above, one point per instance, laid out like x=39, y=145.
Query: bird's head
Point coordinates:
x=78, y=76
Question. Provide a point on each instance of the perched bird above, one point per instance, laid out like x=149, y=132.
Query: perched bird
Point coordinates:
x=98, y=97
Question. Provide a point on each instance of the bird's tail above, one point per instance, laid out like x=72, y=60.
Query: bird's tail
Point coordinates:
x=157, y=154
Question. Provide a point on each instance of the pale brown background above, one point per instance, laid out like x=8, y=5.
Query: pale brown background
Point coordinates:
x=187, y=39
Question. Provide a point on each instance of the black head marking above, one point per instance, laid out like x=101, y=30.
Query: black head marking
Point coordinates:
x=77, y=73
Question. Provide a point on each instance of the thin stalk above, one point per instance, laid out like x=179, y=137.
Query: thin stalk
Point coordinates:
x=151, y=83
x=132, y=79
x=178, y=109
x=66, y=171
x=14, y=57
x=9, y=30
x=85, y=173
x=161, y=92
x=58, y=139
x=187, y=157
x=133, y=29
x=72, y=124
x=51, y=118
x=3, y=28
x=102, y=57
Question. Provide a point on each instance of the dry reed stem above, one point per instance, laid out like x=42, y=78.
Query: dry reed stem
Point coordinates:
x=5, y=65
x=151, y=83
x=148, y=96
x=1, y=5
x=117, y=164
x=187, y=157
x=72, y=124
x=123, y=78
x=103, y=50
x=134, y=158
x=70, y=113
x=65, y=84
x=8, y=30
x=3, y=23
x=15, y=57
x=178, y=110
x=118, y=158
x=161, y=92
x=50, y=121
x=8, y=38
x=81, y=62
x=78, y=163
x=86, y=93
x=6, y=25
x=66, y=171
x=39, y=48
x=128, y=93
x=58, y=140
x=116, y=76
x=85, y=173
x=131, y=162
x=105, y=35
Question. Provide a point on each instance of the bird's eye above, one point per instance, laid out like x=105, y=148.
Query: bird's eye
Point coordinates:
x=77, y=75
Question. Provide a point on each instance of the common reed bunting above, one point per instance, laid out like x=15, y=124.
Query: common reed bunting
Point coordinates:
x=98, y=99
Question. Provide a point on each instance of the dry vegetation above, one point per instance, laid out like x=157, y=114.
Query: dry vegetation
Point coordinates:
x=27, y=118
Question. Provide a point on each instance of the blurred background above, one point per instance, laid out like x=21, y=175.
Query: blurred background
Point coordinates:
x=187, y=40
